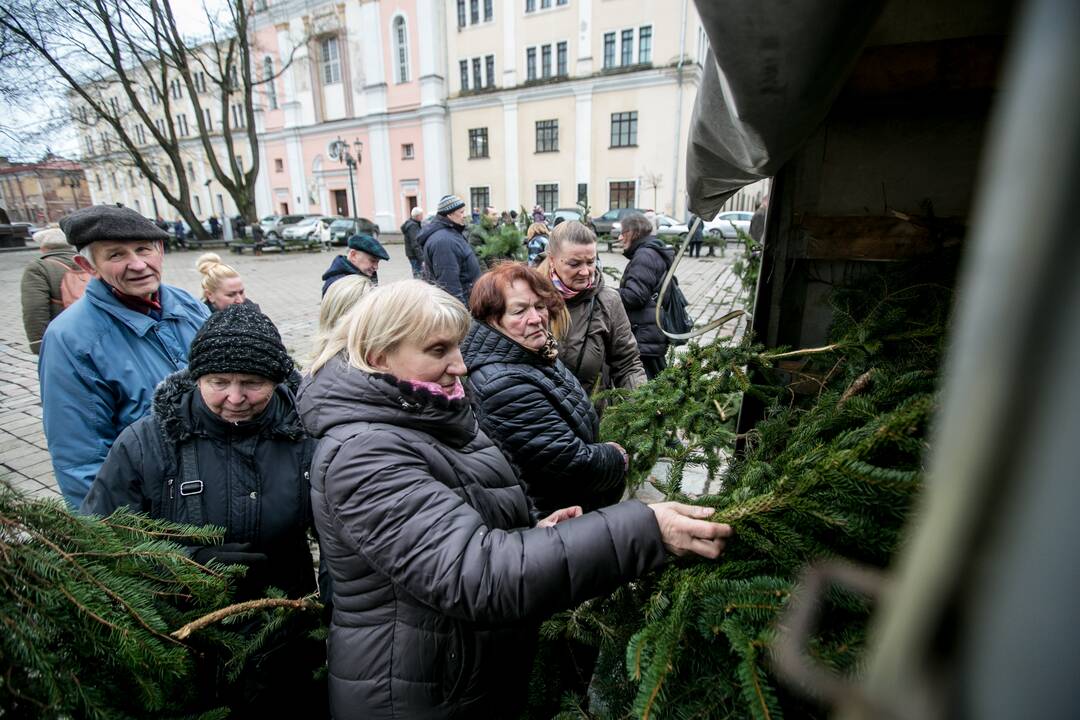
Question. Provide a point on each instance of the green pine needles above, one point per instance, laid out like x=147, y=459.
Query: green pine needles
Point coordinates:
x=831, y=471
x=89, y=607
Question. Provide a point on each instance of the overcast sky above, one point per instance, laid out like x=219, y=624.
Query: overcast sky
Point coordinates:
x=18, y=122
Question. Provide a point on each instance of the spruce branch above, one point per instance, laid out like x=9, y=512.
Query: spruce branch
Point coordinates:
x=306, y=603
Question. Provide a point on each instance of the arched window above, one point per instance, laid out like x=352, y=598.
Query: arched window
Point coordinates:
x=268, y=78
x=401, y=50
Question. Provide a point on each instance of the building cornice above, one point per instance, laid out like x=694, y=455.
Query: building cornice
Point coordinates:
x=600, y=82
x=398, y=117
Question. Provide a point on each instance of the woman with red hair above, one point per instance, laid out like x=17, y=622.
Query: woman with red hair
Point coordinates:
x=529, y=401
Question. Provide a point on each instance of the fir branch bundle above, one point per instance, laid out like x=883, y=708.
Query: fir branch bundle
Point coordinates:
x=833, y=473
x=88, y=605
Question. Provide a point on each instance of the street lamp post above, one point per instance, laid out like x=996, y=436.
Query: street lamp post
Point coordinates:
x=353, y=163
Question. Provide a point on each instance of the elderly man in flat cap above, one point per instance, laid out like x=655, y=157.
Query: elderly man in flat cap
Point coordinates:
x=102, y=358
x=363, y=258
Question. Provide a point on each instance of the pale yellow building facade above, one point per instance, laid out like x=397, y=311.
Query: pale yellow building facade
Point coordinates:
x=551, y=101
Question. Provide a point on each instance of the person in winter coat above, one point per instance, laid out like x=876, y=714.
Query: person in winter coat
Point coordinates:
x=639, y=287
x=224, y=446
x=536, y=242
x=222, y=286
x=42, y=295
x=363, y=258
x=529, y=401
x=538, y=215
x=441, y=571
x=449, y=262
x=410, y=229
x=102, y=358
x=696, y=240
x=599, y=346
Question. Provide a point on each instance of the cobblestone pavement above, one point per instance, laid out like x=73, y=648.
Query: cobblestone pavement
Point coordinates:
x=287, y=289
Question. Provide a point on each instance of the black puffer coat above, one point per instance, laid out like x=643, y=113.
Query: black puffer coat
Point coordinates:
x=254, y=478
x=438, y=586
x=449, y=262
x=640, y=284
x=540, y=414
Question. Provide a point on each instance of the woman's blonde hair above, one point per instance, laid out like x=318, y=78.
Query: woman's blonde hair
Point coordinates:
x=537, y=228
x=214, y=272
x=339, y=299
x=402, y=311
x=571, y=232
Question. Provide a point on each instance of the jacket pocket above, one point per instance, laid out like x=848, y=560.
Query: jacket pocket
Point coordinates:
x=457, y=661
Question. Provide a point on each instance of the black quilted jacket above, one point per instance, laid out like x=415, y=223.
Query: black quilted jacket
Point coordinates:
x=542, y=417
x=438, y=580
x=640, y=283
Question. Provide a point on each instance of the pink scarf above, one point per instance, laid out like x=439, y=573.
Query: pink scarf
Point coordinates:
x=566, y=292
x=437, y=389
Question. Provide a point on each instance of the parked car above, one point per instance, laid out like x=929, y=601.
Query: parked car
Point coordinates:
x=725, y=224
x=665, y=225
x=341, y=230
x=604, y=223
x=571, y=213
x=274, y=230
x=307, y=228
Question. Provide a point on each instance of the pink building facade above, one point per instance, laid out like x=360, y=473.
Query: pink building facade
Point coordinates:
x=370, y=72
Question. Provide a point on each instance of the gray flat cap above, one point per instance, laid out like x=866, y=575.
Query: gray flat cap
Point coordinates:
x=108, y=222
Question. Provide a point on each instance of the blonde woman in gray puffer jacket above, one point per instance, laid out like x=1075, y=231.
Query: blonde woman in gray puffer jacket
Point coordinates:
x=441, y=571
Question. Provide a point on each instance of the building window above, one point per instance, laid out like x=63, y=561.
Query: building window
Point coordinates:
x=271, y=85
x=198, y=204
x=489, y=69
x=530, y=6
x=545, y=61
x=177, y=89
x=479, y=197
x=583, y=193
x=489, y=10
x=115, y=105
x=100, y=184
x=200, y=81
x=560, y=60
x=238, y=115
x=547, y=196
x=234, y=78
x=464, y=75
x=106, y=143
x=279, y=165
x=478, y=143
x=207, y=120
x=530, y=64
x=621, y=194
x=609, y=50
x=461, y=13
x=160, y=124
x=477, y=81
x=408, y=152
x=154, y=99
x=140, y=134
x=627, y=57
x=547, y=136
x=401, y=50
x=90, y=150
x=181, y=122
x=190, y=171
x=474, y=11
x=644, y=45
x=562, y=2
x=545, y=4
x=331, y=62
x=624, y=129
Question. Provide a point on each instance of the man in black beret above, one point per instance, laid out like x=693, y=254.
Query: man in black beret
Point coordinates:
x=102, y=357
x=363, y=258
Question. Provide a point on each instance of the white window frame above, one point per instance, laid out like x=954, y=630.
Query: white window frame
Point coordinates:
x=558, y=194
x=400, y=48
x=479, y=187
x=652, y=36
x=329, y=67
x=408, y=151
x=622, y=44
x=480, y=18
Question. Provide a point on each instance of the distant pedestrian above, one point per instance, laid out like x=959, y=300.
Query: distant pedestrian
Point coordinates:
x=102, y=358
x=449, y=262
x=538, y=214
x=536, y=242
x=50, y=283
x=639, y=286
x=757, y=222
x=362, y=258
x=694, y=246
x=410, y=229
x=215, y=226
x=222, y=286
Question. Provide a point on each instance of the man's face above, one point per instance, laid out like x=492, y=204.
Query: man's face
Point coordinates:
x=458, y=216
x=365, y=263
x=133, y=268
x=491, y=214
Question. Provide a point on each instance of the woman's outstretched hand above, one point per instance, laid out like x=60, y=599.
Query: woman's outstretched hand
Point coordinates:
x=685, y=530
x=559, y=515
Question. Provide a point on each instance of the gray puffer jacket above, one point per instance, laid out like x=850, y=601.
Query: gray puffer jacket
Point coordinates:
x=438, y=581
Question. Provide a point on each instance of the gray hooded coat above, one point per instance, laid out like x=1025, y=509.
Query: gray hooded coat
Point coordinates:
x=438, y=581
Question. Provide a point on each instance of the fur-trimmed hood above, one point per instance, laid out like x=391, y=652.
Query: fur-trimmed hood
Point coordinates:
x=172, y=406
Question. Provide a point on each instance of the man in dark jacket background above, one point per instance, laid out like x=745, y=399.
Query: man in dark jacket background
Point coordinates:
x=449, y=262
x=40, y=289
x=411, y=230
x=641, y=279
x=363, y=258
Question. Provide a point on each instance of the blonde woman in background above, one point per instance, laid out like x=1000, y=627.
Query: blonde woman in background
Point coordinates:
x=222, y=286
x=339, y=299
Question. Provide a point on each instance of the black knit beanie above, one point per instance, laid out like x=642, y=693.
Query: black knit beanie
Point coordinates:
x=239, y=339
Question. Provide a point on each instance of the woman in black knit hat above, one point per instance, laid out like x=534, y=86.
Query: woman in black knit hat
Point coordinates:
x=224, y=446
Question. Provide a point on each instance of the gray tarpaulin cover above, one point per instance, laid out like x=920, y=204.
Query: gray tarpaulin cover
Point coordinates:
x=774, y=69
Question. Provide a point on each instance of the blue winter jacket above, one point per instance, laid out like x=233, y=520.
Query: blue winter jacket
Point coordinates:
x=99, y=365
